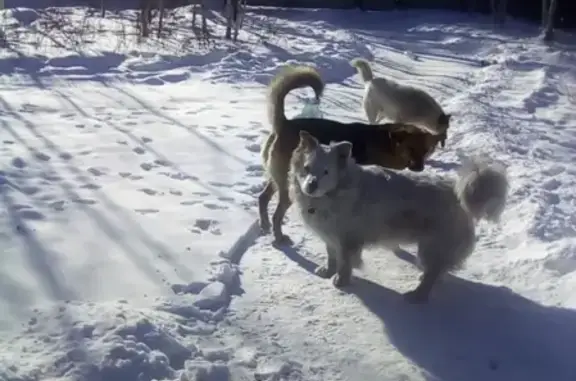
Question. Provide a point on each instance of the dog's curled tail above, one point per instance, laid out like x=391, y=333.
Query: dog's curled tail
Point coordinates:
x=482, y=188
x=291, y=78
x=363, y=68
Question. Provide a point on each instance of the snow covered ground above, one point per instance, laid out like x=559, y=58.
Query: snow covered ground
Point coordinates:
x=129, y=180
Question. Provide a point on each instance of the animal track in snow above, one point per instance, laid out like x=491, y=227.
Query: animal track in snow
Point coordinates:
x=96, y=171
x=178, y=176
x=128, y=175
x=214, y=206
x=84, y=201
x=57, y=205
x=18, y=162
x=564, y=262
x=148, y=191
x=29, y=190
x=253, y=147
x=219, y=184
x=147, y=211
x=139, y=150
x=162, y=163
x=30, y=214
x=90, y=186
x=554, y=170
x=189, y=202
x=208, y=225
x=249, y=137
x=146, y=166
x=42, y=156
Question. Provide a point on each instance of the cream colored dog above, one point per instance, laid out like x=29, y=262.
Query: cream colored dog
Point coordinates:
x=400, y=103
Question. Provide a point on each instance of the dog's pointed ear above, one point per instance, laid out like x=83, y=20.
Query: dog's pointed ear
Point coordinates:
x=444, y=118
x=344, y=152
x=307, y=140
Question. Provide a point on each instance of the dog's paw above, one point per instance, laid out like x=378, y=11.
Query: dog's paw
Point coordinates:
x=340, y=281
x=416, y=297
x=282, y=240
x=324, y=272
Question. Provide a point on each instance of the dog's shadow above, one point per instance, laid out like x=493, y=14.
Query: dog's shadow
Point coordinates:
x=472, y=331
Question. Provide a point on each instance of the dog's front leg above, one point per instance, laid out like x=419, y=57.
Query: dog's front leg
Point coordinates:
x=328, y=270
x=346, y=254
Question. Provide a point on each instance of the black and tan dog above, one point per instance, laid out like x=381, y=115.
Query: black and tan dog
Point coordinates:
x=391, y=145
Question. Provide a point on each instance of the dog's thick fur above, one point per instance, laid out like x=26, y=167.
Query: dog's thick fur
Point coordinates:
x=392, y=145
x=400, y=103
x=352, y=206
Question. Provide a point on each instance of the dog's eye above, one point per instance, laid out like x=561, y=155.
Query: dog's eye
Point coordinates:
x=306, y=168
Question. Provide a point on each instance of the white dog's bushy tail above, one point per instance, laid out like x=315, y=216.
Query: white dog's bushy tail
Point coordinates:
x=291, y=78
x=482, y=188
x=363, y=68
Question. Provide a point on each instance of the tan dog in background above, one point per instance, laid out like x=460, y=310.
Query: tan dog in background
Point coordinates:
x=385, y=98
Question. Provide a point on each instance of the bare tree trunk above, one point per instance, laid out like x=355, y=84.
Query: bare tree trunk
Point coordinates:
x=194, y=13
x=103, y=8
x=498, y=8
x=144, y=18
x=239, y=18
x=549, y=28
x=161, y=11
x=234, y=12
x=502, y=11
x=228, y=11
x=204, y=22
x=544, y=12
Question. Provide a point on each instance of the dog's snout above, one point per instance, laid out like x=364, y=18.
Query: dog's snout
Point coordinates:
x=312, y=185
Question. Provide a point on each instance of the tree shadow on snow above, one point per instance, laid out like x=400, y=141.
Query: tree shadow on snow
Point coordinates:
x=474, y=331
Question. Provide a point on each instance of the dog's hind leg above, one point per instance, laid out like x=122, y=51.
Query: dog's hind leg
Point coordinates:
x=421, y=293
x=278, y=217
x=328, y=270
x=263, y=201
x=434, y=265
x=371, y=110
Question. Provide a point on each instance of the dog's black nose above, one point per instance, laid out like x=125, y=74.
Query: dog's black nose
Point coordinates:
x=312, y=185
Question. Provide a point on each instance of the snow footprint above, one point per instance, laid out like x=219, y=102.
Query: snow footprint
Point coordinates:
x=563, y=262
x=206, y=225
x=215, y=206
x=139, y=150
